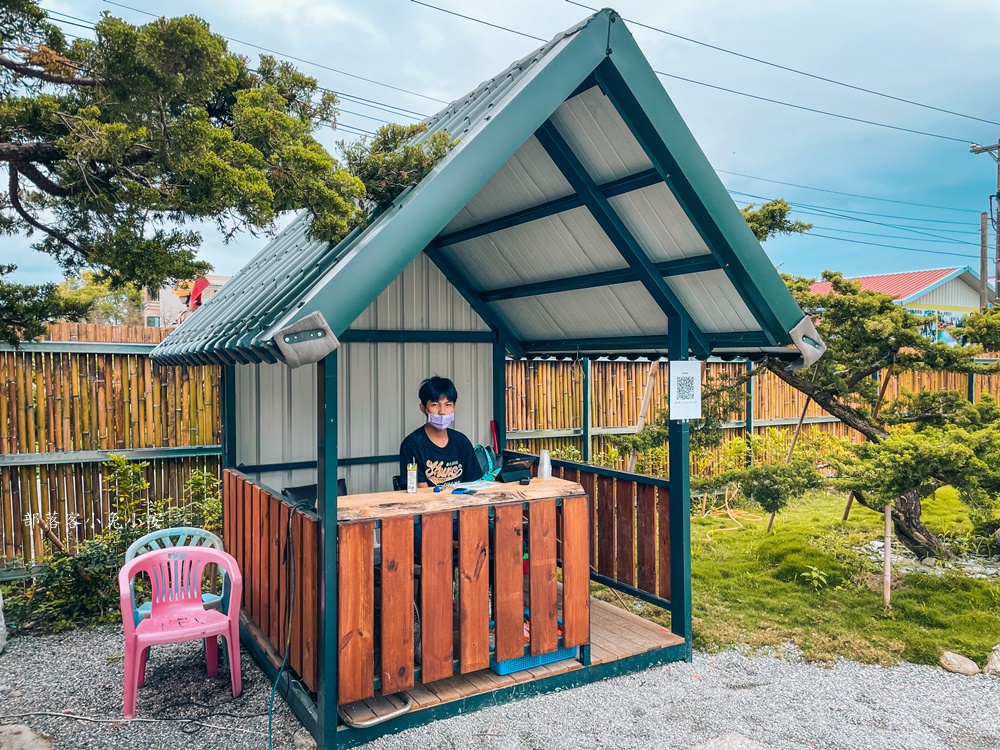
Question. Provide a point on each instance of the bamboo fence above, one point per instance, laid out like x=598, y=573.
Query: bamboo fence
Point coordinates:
x=54, y=403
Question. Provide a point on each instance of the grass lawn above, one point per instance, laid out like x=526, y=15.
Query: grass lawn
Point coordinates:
x=748, y=588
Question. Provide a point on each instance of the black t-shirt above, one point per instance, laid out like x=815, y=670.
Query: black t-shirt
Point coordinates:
x=456, y=462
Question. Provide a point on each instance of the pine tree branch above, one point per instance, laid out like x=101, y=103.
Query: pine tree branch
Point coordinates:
x=30, y=71
x=43, y=182
x=46, y=152
x=865, y=372
x=828, y=402
x=15, y=202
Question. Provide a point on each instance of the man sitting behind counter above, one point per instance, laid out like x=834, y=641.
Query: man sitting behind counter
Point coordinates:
x=442, y=454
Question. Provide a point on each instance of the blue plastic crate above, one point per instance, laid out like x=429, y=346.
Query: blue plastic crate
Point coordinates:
x=526, y=662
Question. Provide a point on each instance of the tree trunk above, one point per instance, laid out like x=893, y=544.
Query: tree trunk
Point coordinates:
x=911, y=531
x=829, y=403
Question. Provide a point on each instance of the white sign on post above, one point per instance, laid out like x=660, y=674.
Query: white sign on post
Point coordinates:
x=685, y=389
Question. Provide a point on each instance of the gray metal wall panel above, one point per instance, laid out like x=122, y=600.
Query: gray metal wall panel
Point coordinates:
x=247, y=445
x=275, y=414
x=599, y=137
x=528, y=178
x=618, y=310
x=573, y=243
x=659, y=224
x=420, y=298
x=378, y=386
x=955, y=293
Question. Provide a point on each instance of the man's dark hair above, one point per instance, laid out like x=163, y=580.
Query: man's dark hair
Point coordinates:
x=434, y=388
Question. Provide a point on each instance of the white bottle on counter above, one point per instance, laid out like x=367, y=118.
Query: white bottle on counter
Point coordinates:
x=411, y=476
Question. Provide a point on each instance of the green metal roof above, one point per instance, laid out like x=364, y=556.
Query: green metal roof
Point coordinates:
x=294, y=276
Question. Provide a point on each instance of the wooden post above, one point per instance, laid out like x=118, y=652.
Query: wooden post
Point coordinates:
x=887, y=570
x=647, y=396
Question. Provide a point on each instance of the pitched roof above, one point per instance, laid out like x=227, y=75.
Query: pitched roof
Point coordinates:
x=575, y=214
x=902, y=286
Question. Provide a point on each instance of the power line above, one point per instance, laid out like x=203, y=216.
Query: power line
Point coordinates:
x=71, y=23
x=796, y=70
x=827, y=215
x=373, y=103
x=862, y=213
x=894, y=247
x=477, y=20
x=350, y=128
x=889, y=236
x=87, y=21
x=297, y=59
x=832, y=213
x=358, y=114
x=849, y=195
x=719, y=88
x=812, y=109
x=394, y=110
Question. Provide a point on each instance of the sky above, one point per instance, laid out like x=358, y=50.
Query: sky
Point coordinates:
x=410, y=59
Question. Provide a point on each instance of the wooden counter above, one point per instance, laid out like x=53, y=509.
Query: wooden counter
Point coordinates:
x=378, y=505
x=485, y=556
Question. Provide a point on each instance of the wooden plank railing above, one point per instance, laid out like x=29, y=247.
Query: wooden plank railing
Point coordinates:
x=256, y=526
x=487, y=537
x=630, y=546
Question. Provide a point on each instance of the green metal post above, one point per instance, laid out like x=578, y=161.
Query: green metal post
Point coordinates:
x=971, y=387
x=748, y=423
x=586, y=409
x=228, y=416
x=326, y=698
x=500, y=392
x=680, y=502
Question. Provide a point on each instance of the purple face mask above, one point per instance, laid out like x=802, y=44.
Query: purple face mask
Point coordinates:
x=440, y=421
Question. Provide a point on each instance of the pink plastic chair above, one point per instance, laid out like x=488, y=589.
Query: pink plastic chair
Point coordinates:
x=177, y=613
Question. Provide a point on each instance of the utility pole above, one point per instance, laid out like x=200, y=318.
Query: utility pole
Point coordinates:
x=984, y=262
x=993, y=151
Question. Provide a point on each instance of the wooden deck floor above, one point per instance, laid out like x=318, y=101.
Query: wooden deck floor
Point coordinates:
x=614, y=634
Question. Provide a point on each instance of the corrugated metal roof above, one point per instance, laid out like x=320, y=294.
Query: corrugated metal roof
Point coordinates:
x=899, y=285
x=616, y=197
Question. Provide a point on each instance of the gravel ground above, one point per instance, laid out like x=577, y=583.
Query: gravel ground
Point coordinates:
x=776, y=702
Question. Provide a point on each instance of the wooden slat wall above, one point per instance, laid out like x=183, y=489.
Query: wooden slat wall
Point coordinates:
x=632, y=533
x=361, y=639
x=255, y=531
x=73, y=401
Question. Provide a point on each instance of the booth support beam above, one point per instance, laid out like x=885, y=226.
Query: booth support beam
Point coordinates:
x=326, y=707
x=550, y=208
x=680, y=502
x=676, y=267
x=577, y=176
x=228, y=416
x=500, y=393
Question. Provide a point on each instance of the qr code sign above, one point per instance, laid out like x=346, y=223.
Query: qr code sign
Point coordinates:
x=685, y=388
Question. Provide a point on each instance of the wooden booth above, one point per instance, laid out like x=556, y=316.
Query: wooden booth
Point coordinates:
x=575, y=217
